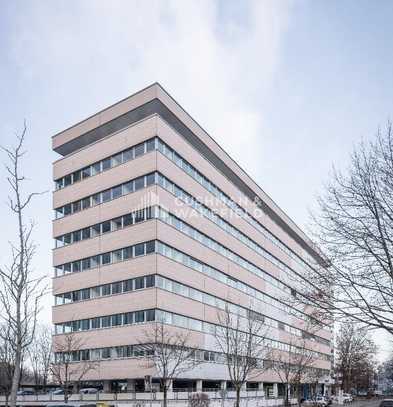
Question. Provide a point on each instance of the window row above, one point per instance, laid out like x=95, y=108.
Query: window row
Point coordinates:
x=219, y=248
x=105, y=196
x=138, y=317
x=218, y=193
x=204, y=268
x=115, y=256
x=108, y=321
x=107, y=163
x=104, y=227
x=117, y=287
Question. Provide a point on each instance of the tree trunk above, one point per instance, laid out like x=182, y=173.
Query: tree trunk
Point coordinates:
x=237, y=404
x=16, y=376
x=165, y=395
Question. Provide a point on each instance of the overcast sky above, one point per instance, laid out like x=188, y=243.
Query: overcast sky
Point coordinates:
x=285, y=87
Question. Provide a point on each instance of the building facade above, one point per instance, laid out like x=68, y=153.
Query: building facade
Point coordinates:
x=155, y=222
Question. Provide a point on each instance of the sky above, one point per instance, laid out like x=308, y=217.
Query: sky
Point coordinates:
x=287, y=88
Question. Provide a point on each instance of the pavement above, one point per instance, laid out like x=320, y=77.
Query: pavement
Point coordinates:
x=361, y=403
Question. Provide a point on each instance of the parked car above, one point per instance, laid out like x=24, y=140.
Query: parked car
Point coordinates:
x=57, y=392
x=347, y=398
x=25, y=392
x=88, y=390
x=386, y=403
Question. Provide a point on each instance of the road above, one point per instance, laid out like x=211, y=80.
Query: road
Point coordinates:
x=361, y=403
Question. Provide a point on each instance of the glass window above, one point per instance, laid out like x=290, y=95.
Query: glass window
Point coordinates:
x=139, y=283
x=77, y=176
x=150, y=179
x=106, y=258
x=117, y=256
x=95, y=261
x=67, y=268
x=116, y=192
x=116, y=288
x=150, y=315
x=139, y=183
x=139, y=316
x=67, y=238
x=76, y=266
x=85, y=354
x=96, y=199
x=139, y=216
x=139, y=249
x=59, y=183
x=86, y=233
x=105, y=353
x=128, y=187
x=127, y=285
x=106, y=289
x=106, y=164
x=105, y=227
x=95, y=323
x=117, y=223
x=150, y=145
x=96, y=230
x=76, y=206
x=127, y=253
x=67, y=298
x=127, y=220
x=105, y=321
x=139, y=150
x=149, y=281
x=85, y=294
x=85, y=324
x=67, y=180
x=67, y=209
x=106, y=195
x=150, y=247
x=86, y=172
x=128, y=318
x=76, y=236
x=117, y=159
x=76, y=296
x=96, y=168
x=95, y=292
x=86, y=202
x=128, y=155
x=59, y=213
x=117, y=320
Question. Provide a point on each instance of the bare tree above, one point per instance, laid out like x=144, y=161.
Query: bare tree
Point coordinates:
x=355, y=352
x=354, y=229
x=40, y=355
x=168, y=351
x=71, y=362
x=6, y=365
x=244, y=344
x=20, y=291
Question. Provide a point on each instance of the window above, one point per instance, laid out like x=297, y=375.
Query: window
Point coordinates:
x=76, y=266
x=106, y=195
x=67, y=180
x=116, y=320
x=96, y=199
x=96, y=168
x=127, y=220
x=76, y=296
x=85, y=324
x=76, y=206
x=67, y=209
x=150, y=145
x=116, y=288
x=139, y=183
x=105, y=321
x=127, y=253
x=139, y=316
x=128, y=187
x=128, y=318
x=116, y=223
x=116, y=192
x=149, y=281
x=67, y=238
x=106, y=289
x=150, y=315
x=117, y=159
x=139, y=283
x=150, y=247
x=95, y=230
x=86, y=233
x=105, y=227
x=76, y=236
x=117, y=256
x=106, y=164
x=139, y=150
x=105, y=353
x=86, y=172
x=85, y=294
x=95, y=323
x=150, y=179
x=105, y=258
x=139, y=249
x=128, y=155
x=86, y=264
x=86, y=202
x=139, y=216
x=85, y=354
x=127, y=285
